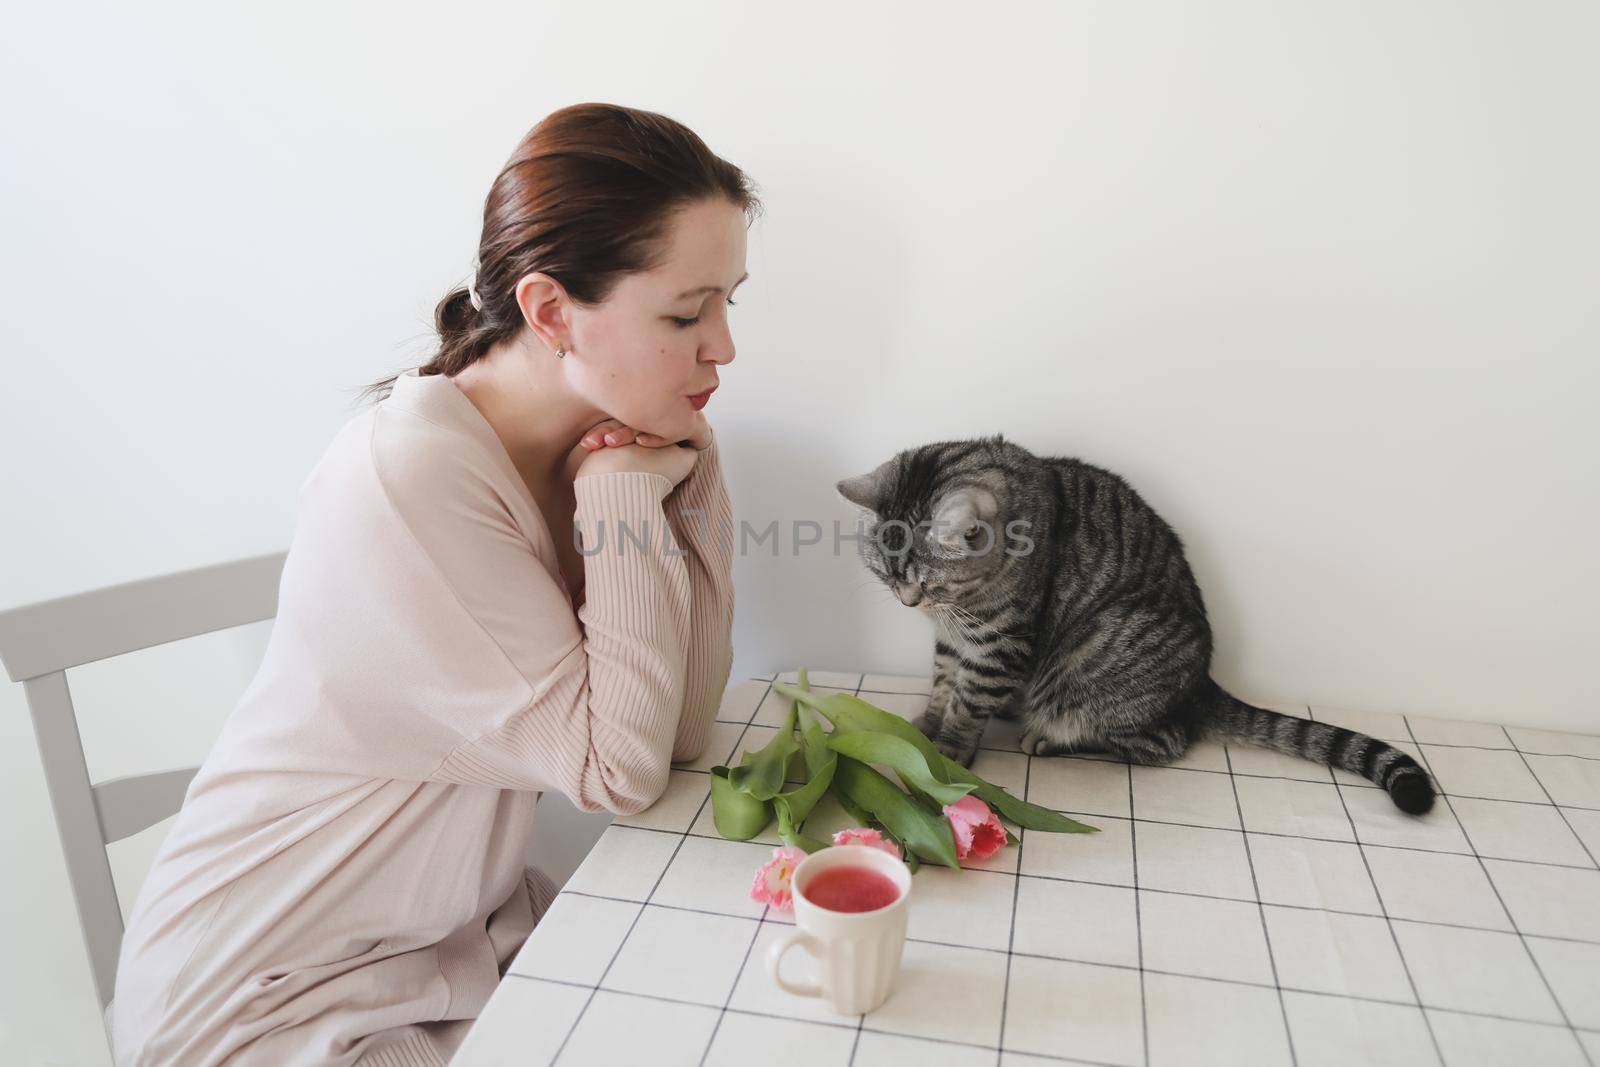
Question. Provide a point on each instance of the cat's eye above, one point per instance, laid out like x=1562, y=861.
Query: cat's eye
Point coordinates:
x=684, y=323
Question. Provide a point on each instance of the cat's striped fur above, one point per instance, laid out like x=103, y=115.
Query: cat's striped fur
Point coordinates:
x=1082, y=619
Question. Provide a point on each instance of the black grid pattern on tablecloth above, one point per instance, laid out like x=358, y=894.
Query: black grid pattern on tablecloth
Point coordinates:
x=1427, y=1012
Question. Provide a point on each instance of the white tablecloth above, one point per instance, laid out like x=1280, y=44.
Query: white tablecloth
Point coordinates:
x=1240, y=907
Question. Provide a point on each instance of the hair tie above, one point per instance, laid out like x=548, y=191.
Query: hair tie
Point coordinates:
x=472, y=287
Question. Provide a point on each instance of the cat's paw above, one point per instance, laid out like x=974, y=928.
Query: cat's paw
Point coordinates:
x=962, y=754
x=929, y=723
x=1034, y=744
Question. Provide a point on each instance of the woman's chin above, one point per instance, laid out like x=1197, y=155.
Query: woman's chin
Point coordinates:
x=683, y=427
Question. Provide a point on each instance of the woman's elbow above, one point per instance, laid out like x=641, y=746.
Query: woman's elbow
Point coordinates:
x=638, y=791
x=689, y=751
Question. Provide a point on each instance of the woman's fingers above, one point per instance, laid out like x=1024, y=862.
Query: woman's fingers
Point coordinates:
x=614, y=434
x=595, y=438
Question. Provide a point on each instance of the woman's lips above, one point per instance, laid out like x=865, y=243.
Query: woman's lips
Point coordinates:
x=699, y=401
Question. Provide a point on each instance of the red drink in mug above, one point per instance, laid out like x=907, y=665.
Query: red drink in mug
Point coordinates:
x=850, y=914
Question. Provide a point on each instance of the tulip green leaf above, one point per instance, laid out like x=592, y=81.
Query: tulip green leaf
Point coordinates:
x=1029, y=816
x=860, y=817
x=787, y=831
x=852, y=714
x=738, y=816
x=797, y=803
x=922, y=832
x=761, y=773
x=906, y=854
x=902, y=757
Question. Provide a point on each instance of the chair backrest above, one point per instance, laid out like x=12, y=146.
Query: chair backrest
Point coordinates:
x=40, y=642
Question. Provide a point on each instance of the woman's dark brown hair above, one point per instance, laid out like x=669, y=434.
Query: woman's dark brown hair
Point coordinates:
x=587, y=198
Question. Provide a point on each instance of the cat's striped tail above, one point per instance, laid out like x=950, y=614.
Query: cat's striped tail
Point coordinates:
x=1407, y=784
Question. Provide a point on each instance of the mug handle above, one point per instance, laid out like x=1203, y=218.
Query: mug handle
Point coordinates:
x=775, y=962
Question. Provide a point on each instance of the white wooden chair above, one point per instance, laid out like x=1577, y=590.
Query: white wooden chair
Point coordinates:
x=40, y=642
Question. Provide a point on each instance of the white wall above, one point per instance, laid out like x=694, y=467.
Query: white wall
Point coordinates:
x=1318, y=278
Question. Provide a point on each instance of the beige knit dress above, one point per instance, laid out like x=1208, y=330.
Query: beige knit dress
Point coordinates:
x=346, y=881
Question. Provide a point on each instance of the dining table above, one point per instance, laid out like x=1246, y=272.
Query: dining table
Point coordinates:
x=1238, y=906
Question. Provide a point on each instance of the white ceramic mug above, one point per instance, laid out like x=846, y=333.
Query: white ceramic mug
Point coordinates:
x=857, y=952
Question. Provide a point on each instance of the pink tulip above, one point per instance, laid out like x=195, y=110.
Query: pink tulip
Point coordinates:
x=863, y=835
x=772, y=882
x=978, y=832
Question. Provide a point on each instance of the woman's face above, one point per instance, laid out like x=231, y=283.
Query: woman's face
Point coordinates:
x=662, y=335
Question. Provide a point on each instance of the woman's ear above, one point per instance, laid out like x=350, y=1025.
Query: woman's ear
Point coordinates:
x=543, y=303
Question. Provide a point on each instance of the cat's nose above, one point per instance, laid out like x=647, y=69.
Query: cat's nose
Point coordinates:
x=910, y=595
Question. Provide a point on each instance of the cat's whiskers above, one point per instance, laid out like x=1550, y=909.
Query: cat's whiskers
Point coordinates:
x=958, y=611
x=956, y=622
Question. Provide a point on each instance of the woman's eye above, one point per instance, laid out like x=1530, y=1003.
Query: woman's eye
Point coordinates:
x=690, y=322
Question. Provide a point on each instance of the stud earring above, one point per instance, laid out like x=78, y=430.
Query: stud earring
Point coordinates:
x=561, y=351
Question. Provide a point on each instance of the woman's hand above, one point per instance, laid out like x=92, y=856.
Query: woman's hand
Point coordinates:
x=673, y=462
x=612, y=433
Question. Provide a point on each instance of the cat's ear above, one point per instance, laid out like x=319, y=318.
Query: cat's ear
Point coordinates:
x=859, y=491
x=866, y=490
x=965, y=510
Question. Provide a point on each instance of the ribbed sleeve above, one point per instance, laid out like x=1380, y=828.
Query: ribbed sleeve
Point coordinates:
x=701, y=514
x=601, y=725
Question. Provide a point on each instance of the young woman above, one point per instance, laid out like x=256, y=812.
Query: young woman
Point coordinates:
x=345, y=883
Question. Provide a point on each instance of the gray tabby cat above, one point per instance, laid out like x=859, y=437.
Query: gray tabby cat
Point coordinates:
x=1061, y=599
